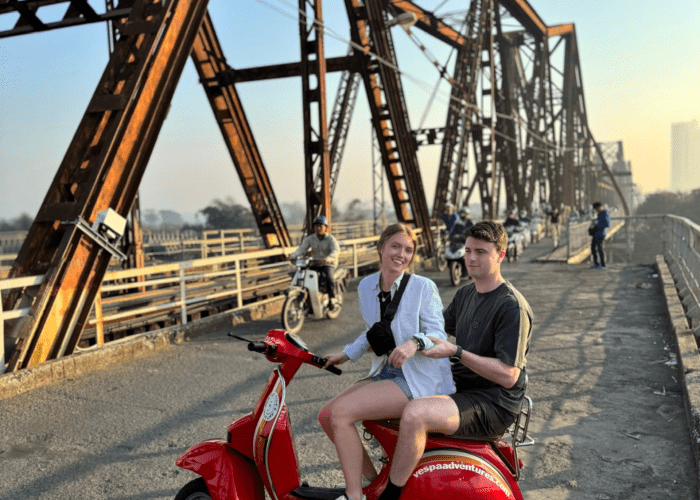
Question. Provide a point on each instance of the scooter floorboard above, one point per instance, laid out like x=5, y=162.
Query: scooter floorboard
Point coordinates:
x=316, y=493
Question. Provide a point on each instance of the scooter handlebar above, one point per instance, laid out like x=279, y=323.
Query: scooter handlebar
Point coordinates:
x=257, y=347
x=318, y=361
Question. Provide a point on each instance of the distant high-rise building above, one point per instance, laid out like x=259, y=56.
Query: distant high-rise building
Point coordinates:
x=685, y=156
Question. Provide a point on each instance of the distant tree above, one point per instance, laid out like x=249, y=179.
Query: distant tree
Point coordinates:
x=170, y=219
x=227, y=215
x=665, y=202
x=21, y=223
x=355, y=210
x=150, y=218
x=293, y=213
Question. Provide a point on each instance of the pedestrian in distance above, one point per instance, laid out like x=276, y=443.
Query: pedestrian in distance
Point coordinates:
x=396, y=376
x=555, y=226
x=492, y=324
x=602, y=223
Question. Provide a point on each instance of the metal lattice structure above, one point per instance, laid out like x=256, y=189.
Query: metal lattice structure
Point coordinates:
x=516, y=125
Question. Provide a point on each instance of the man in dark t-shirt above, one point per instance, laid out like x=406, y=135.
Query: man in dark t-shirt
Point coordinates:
x=492, y=324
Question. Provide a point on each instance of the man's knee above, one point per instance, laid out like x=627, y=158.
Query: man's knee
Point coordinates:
x=416, y=416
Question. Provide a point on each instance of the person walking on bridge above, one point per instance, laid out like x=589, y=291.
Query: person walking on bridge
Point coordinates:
x=598, y=236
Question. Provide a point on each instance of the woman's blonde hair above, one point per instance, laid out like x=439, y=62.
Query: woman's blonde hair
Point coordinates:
x=391, y=230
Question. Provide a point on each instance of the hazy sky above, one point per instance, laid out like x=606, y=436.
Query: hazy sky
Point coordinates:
x=640, y=63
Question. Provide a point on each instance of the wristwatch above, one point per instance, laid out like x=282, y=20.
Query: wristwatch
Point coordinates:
x=457, y=356
x=419, y=343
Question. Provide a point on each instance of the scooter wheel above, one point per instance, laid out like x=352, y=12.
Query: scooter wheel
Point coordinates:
x=293, y=313
x=194, y=490
x=455, y=273
x=441, y=261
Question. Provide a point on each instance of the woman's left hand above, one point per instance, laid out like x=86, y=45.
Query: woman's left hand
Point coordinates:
x=401, y=353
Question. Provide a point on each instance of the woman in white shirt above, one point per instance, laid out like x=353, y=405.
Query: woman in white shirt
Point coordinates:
x=396, y=377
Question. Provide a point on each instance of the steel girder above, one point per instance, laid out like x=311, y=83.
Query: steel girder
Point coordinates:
x=313, y=92
x=339, y=125
x=214, y=72
x=102, y=169
x=78, y=12
x=389, y=114
x=542, y=144
x=452, y=178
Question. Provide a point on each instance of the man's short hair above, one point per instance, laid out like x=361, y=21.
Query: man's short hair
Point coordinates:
x=490, y=232
x=597, y=204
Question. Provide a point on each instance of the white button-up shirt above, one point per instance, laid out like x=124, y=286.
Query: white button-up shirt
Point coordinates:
x=419, y=314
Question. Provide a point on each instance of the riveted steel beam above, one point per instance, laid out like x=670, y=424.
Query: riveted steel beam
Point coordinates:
x=211, y=65
x=313, y=91
x=102, y=169
x=389, y=114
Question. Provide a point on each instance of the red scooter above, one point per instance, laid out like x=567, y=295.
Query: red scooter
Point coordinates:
x=259, y=453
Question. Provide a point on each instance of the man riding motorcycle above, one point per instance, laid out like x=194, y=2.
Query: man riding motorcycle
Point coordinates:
x=461, y=225
x=324, y=249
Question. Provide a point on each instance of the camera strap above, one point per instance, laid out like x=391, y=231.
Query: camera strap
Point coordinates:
x=394, y=304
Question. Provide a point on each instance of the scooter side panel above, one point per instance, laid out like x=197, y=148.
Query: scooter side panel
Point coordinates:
x=229, y=476
x=449, y=473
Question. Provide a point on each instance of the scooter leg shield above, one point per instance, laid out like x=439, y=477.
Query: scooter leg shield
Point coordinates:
x=229, y=475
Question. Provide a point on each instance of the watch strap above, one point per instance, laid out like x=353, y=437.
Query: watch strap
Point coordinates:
x=457, y=356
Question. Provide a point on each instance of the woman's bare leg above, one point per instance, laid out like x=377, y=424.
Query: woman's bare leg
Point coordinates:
x=371, y=401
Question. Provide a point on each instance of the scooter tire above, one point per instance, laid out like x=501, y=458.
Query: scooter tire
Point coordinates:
x=335, y=312
x=194, y=490
x=440, y=260
x=455, y=273
x=293, y=313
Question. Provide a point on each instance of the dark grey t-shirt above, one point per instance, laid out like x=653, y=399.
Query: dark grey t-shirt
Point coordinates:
x=497, y=324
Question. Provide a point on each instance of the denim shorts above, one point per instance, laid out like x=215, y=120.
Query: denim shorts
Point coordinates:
x=390, y=372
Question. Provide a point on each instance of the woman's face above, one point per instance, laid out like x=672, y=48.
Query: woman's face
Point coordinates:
x=396, y=254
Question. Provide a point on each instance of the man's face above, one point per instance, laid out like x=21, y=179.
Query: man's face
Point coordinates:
x=320, y=229
x=599, y=209
x=481, y=258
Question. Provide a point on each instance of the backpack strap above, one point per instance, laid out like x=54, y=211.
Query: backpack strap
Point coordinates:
x=394, y=304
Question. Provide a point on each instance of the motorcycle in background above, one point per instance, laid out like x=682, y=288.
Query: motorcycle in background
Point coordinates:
x=454, y=256
x=516, y=244
x=306, y=298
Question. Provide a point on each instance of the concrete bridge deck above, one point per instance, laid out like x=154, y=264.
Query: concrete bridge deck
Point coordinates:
x=609, y=420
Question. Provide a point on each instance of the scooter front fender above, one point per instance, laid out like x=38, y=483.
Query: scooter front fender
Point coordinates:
x=228, y=474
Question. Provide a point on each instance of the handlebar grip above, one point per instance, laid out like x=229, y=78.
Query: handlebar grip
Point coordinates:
x=334, y=369
x=319, y=361
x=257, y=346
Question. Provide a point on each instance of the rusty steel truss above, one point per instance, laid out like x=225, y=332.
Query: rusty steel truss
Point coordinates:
x=516, y=124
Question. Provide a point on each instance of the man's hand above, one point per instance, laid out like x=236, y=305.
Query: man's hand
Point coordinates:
x=441, y=349
x=335, y=359
x=400, y=354
x=324, y=261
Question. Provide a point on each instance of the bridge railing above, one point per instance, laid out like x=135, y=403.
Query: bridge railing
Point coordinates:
x=682, y=241
x=154, y=294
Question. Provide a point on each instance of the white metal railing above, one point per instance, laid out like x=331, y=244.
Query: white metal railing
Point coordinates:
x=682, y=243
x=184, y=275
x=579, y=240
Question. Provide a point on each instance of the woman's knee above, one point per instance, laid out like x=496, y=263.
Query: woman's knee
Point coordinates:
x=324, y=416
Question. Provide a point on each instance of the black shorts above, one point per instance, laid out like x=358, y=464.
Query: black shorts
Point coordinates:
x=479, y=416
